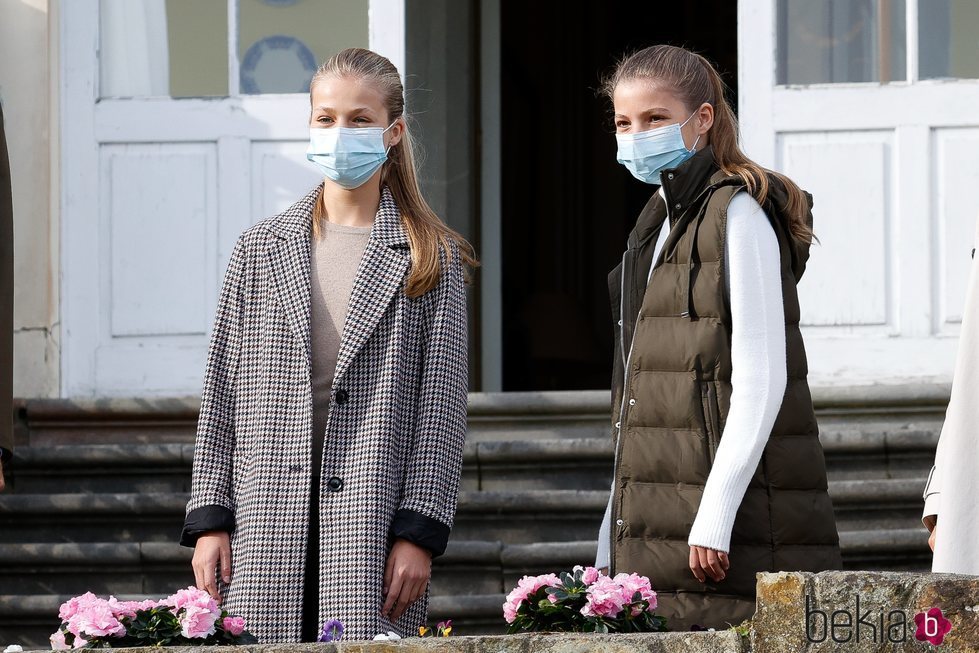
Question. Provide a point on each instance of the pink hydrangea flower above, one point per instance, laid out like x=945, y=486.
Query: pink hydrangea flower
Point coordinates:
x=604, y=599
x=234, y=625
x=58, y=641
x=79, y=642
x=525, y=587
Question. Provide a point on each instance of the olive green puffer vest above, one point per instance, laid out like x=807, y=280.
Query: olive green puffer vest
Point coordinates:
x=671, y=399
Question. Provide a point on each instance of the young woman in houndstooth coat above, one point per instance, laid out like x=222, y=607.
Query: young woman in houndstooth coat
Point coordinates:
x=333, y=417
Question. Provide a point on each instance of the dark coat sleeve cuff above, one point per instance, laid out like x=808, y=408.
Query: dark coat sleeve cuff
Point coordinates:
x=422, y=530
x=5, y=455
x=204, y=519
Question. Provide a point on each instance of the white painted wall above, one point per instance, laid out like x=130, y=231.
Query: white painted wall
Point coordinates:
x=28, y=92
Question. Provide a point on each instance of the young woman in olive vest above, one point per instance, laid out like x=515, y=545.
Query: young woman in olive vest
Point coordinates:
x=719, y=473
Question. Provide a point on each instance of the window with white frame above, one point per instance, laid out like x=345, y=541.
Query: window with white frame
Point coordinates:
x=853, y=41
x=220, y=48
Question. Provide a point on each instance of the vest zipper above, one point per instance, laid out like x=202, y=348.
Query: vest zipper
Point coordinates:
x=712, y=418
x=613, y=527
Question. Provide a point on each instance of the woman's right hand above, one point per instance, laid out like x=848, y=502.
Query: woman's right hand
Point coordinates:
x=931, y=538
x=213, y=548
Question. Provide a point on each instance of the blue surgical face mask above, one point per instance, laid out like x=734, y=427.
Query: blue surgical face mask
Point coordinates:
x=646, y=154
x=348, y=156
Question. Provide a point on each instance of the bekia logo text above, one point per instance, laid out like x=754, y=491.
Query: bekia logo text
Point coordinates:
x=886, y=626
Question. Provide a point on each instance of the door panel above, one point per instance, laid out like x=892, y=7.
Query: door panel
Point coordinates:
x=890, y=165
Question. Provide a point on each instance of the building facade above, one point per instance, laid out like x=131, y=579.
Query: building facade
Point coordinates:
x=145, y=135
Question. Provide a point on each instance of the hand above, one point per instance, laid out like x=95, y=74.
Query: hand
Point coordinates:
x=604, y=571
x=931, y=538
x=708, y=561
x=3, y=484
x=212, y=548
x=406, y=578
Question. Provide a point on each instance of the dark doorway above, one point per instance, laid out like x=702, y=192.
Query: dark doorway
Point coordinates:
x=567, y=205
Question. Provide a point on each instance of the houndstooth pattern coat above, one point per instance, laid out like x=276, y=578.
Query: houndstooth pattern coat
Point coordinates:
x=394, y=435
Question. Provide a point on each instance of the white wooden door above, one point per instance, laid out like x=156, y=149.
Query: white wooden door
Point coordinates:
x=155, y=187
x=870, y=105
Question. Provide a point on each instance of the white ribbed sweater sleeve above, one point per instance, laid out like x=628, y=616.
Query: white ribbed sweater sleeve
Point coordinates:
x=758, y=369
x=758, y=374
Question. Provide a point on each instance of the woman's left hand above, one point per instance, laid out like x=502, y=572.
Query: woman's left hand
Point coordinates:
x=406, y=578
x=704, y=561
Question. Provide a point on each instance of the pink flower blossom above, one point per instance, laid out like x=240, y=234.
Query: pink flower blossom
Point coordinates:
x=94, y=618
x=71, y=607
x=197, y=622
x=190, y=596
x=129, y=608
x=590, y=576
x=58, y=641
x=604, y=599
x=234, y=625
x=79, y=642
x=632, y=583
x=526, y=586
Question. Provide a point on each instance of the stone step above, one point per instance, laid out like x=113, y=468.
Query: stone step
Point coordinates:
x=468, y=567
x=874, y=450
x=28, y=615
x=509, y=516
x=492, y=416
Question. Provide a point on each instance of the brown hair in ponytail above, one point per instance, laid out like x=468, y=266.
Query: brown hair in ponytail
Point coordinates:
x=427, y=234
x=695, y=82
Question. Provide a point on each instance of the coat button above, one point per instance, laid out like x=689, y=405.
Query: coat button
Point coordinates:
x=677, y=205
x=335, y=484
x=632, y=402
x=669, y=175
x=341, y=396
x=618, y=425
x=618, y=522
x=620, y=322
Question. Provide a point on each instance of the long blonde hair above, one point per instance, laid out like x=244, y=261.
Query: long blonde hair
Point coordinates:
x=428, y=236
x=695, y=82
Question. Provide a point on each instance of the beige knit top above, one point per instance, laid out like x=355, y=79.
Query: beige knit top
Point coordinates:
x=334, y=259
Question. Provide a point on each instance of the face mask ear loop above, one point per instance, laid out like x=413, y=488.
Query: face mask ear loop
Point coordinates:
x=388, y=151
x=693, y=148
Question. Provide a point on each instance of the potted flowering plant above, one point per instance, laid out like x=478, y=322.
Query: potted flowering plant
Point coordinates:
x=189, y=617
x=584, y=600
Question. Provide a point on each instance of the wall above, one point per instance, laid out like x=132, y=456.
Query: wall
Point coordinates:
x=29, y=101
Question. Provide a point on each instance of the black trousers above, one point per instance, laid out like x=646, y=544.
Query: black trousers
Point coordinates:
x=311, y=590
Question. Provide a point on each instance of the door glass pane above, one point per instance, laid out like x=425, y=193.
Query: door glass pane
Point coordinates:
x=948, y=45
x=840, y=41
x=282, y=42
x=163, y=47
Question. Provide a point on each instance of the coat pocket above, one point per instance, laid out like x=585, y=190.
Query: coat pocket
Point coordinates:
x=712, y=418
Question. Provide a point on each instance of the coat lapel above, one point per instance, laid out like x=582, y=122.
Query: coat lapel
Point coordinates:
x=289, y=263
x=381, y=274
